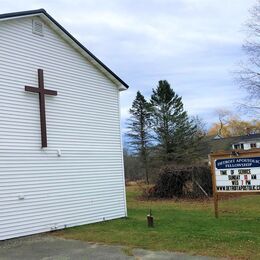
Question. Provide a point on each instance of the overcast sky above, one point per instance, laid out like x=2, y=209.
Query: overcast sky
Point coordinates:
x=194, y=44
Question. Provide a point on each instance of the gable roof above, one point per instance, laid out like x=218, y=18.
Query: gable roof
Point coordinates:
x=246, y=138
x=83, y=50
x=211, y=144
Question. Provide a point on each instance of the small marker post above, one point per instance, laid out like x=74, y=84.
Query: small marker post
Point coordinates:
x=150, y=219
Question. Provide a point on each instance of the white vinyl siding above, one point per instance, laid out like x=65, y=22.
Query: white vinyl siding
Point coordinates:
x=86, y=183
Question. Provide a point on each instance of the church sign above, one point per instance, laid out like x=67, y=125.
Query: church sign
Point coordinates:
x=236, y=172
x=238, y=163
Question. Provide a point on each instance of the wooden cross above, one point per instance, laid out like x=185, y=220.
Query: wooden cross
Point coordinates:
x=42, y=92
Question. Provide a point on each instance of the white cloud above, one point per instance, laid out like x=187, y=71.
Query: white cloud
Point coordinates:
x=194, y=44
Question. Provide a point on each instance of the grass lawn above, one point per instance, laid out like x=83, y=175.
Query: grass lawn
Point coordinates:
x=182, y=226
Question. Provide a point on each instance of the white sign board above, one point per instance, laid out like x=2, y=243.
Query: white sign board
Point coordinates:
x=238, y=174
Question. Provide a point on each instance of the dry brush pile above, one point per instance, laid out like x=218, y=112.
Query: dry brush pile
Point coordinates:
x=182, y=182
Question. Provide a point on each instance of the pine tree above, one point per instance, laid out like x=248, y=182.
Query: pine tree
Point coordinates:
x=175, y=133
x=139, y=129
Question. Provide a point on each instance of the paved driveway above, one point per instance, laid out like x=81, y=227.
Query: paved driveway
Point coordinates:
x=46, y=247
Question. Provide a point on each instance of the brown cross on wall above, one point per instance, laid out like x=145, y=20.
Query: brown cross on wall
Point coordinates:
x=42, y=92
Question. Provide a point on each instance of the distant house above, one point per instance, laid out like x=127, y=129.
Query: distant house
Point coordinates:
x=247, y=142
x=218, y=143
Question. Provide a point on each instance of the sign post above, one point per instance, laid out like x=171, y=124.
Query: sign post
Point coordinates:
x=236, y=172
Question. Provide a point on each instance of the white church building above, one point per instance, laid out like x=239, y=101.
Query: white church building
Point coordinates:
x=61, y=162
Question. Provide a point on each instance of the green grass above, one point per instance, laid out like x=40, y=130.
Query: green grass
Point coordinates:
x=182, y=226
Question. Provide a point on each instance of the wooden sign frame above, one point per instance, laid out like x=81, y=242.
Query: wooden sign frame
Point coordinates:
x=224, y=155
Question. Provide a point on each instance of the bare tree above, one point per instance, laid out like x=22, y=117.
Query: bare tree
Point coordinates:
x=201, y=126
x=231, y=124
x=248, y=76
x=223, y=114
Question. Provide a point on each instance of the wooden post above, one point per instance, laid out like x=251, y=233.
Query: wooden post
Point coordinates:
x=216, y=204
x=215, y=195
x=150, y=219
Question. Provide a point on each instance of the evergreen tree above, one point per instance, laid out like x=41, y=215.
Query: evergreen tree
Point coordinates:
x=175, y=133
x=139, y=129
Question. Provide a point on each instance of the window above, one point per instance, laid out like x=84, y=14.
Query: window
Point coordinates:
x=253, y=145
x=238, y=146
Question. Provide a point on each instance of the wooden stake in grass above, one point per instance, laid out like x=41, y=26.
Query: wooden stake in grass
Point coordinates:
x=150, y=219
